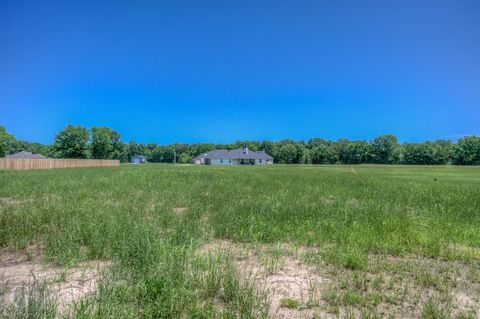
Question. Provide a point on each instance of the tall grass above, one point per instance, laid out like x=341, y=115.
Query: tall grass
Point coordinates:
x=127, y=215
x=33, y=301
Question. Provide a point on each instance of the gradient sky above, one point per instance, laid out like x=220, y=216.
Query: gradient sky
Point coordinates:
x=219, y=71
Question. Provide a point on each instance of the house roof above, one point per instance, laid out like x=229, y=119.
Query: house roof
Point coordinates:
x=238, y=153
x=24, y=154
x=138, y=156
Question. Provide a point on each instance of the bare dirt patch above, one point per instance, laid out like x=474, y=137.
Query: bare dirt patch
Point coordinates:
x=291, y=281
x=404, y=286
x=18, y=271
x=293, y=289
x=297, y=286
x=435, y=279
x=11, y=201
x=327, y=200
x=180, y=211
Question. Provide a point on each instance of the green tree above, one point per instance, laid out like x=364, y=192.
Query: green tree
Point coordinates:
x=419, y=154
x=287, y=154
x=136, y=149
x=71, y=142
x=5, y=141
x=18, y=146
x=162, y=154
x=385, y=149
x=306, y=157
x=341, y=147
x=120, y=152
x=317, y=142
x=185, y=158
x=428, y=153
x=201, y=148
x=324, y=154
x=268, y=147
x=252, y=145
x=358, y=152
x=443, y=151
x=467, y=151
x=104, y=142
x=36, y=148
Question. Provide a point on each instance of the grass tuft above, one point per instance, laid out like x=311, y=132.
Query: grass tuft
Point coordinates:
x=290, y=303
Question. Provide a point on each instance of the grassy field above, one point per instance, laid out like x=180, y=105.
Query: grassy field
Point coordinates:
x=210, y=242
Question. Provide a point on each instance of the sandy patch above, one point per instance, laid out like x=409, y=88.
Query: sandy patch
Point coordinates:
x=282, y=280
x=292, y=281
x=151, y=207
x=11, y=201
x=353, y=203
x=327, y=199
x=401, y=286
x=435, y=279
x=18, y=271
x=180, y=211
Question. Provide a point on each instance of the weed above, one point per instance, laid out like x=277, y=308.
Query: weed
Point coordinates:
x=290, y=303
x=436, y=309
x=32, y=301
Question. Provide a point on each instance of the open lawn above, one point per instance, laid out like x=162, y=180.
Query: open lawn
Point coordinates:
x=239, y=242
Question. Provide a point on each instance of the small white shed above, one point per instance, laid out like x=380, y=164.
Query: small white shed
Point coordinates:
x=138, y=159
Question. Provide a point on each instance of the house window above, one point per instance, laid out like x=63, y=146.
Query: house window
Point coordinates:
x=221, y=161
x=229, y=160
x=260, y=160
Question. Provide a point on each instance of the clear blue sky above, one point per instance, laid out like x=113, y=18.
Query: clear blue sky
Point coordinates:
x=218, y=71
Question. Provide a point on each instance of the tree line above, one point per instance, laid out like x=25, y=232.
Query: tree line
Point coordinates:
x=104, y=143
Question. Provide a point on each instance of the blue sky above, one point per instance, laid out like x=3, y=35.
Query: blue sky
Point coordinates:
x=219, y=71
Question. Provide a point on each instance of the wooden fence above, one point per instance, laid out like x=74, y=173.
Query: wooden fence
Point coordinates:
x=47, y=163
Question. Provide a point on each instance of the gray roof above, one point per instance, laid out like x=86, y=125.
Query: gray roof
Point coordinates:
x=24, y=154
x=138, y=156
x=238, y=153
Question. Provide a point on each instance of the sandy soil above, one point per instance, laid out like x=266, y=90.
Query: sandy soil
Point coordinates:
x=67, y=285
x=288, y=277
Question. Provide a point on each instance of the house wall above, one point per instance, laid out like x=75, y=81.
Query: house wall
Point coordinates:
x=219, y=161
x=200, y=161
x=264, y=162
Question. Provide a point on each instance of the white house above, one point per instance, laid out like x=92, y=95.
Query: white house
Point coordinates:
x=240, y=156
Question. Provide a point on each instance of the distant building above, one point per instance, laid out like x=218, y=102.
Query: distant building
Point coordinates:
x=240, y=156
x=24, y=154
x=138, y=159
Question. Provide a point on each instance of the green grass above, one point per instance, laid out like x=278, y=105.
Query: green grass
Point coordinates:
x=32, y=302
x=290, y=303
x=127, y=215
